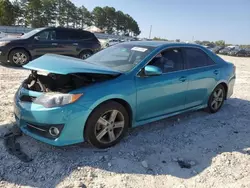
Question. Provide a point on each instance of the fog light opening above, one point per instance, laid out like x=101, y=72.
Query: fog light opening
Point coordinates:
x=53, y=131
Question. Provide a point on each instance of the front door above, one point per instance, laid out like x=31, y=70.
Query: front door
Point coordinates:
x=45, y=42
x=163, y=94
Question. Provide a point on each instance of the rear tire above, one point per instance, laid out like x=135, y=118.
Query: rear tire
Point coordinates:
x=106, y=125
x=216, y=99
x=19, y=57
x=85, y=54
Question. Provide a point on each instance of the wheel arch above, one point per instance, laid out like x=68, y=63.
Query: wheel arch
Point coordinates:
x=119, y=100
x=20, y=48
x=225, y=85
x=87, y=49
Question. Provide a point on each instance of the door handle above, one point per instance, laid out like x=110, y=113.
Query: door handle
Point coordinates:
x=75, y=44
x=183, y=78
x=54, y=44
x=216, y=72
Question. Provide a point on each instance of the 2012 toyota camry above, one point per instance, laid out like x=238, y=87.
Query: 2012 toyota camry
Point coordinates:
x=67, y=100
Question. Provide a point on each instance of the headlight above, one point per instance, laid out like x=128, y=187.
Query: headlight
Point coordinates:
x=50, y=100
x=3, y=43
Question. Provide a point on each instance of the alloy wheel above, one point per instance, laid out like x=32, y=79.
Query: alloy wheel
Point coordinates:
x=85, y=55
x=109, y=126
x=19, y=58
x=217, y=100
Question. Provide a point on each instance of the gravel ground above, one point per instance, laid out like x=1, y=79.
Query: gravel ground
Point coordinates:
x=214, y=148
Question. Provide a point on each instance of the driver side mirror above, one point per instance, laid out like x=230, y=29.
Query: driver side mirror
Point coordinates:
x=37, y=38
x=151, y=70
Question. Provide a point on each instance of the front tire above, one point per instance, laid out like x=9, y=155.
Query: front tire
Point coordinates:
x=19, y=57
x=107, y=125
x=216, y=99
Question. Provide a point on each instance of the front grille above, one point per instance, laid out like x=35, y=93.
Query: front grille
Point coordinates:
x=26, y=98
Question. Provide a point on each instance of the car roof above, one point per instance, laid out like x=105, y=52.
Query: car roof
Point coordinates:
x=64, y=28
x=162, y=44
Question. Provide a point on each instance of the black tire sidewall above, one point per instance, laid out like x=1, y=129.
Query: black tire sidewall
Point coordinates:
x=16, y=51
x=83, y=53
x=210, y=109
x=89, y=132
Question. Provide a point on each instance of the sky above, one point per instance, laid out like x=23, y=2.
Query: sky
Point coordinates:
x=211, y=20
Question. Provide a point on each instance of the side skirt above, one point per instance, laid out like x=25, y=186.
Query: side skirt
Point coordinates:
x=168, y=115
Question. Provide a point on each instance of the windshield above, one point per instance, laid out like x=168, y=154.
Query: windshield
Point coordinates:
x=121, y=57
x=31, y=33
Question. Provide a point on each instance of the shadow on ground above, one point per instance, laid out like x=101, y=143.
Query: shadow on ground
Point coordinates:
x=196, y=137
x=7, y=65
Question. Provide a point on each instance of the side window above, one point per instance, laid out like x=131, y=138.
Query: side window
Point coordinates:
x=75, y=35
x=47, y=35
x=169, y=60
x=80, y=35
x=196, y=58
x=62, y=35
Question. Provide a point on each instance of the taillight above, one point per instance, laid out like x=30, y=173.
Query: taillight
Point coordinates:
x=234, y=69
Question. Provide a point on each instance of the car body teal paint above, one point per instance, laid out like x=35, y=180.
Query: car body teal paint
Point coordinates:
x=150, y=98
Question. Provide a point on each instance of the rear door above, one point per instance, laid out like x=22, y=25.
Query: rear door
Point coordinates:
x=202, y=73
x=64, y=41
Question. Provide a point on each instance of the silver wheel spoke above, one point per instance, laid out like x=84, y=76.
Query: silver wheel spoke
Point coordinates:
x=119, y=124
x=103, y=121
x=111, y=136
x=113, y=116
x=215, y=105
x=212, y=104
x=215, y=94
x=101, y=134
x=219, y=93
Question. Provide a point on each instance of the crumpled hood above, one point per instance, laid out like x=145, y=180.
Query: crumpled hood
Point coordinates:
x=66, y=65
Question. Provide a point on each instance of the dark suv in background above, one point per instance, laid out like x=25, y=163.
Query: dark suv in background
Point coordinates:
x=56, y=40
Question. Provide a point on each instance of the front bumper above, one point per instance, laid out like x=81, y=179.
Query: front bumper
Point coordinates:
x=231, y=87
x=3, y=55
x=71, y=117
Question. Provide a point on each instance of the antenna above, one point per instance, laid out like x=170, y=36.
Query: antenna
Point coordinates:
x=150, y=31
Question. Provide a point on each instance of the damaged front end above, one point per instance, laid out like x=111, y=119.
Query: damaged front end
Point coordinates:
x=54, y=89
x=52, y=82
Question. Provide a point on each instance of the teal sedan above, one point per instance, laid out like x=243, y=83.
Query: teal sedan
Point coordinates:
x=67, y=100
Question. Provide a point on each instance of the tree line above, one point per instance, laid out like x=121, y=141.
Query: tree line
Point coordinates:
x=41, y=13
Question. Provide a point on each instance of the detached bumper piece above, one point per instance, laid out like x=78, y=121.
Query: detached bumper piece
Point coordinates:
x=14, y=148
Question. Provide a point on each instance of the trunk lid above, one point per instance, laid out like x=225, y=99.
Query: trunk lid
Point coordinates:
x=67, y=65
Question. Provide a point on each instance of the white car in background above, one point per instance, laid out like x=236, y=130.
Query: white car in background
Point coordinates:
x=111, y=42
x=2, y=34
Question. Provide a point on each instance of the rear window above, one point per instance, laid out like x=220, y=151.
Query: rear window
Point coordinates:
x=197, y=58
x=62, y=34
x=81, y=35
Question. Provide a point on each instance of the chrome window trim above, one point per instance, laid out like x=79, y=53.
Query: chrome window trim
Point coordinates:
x=137, y=74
